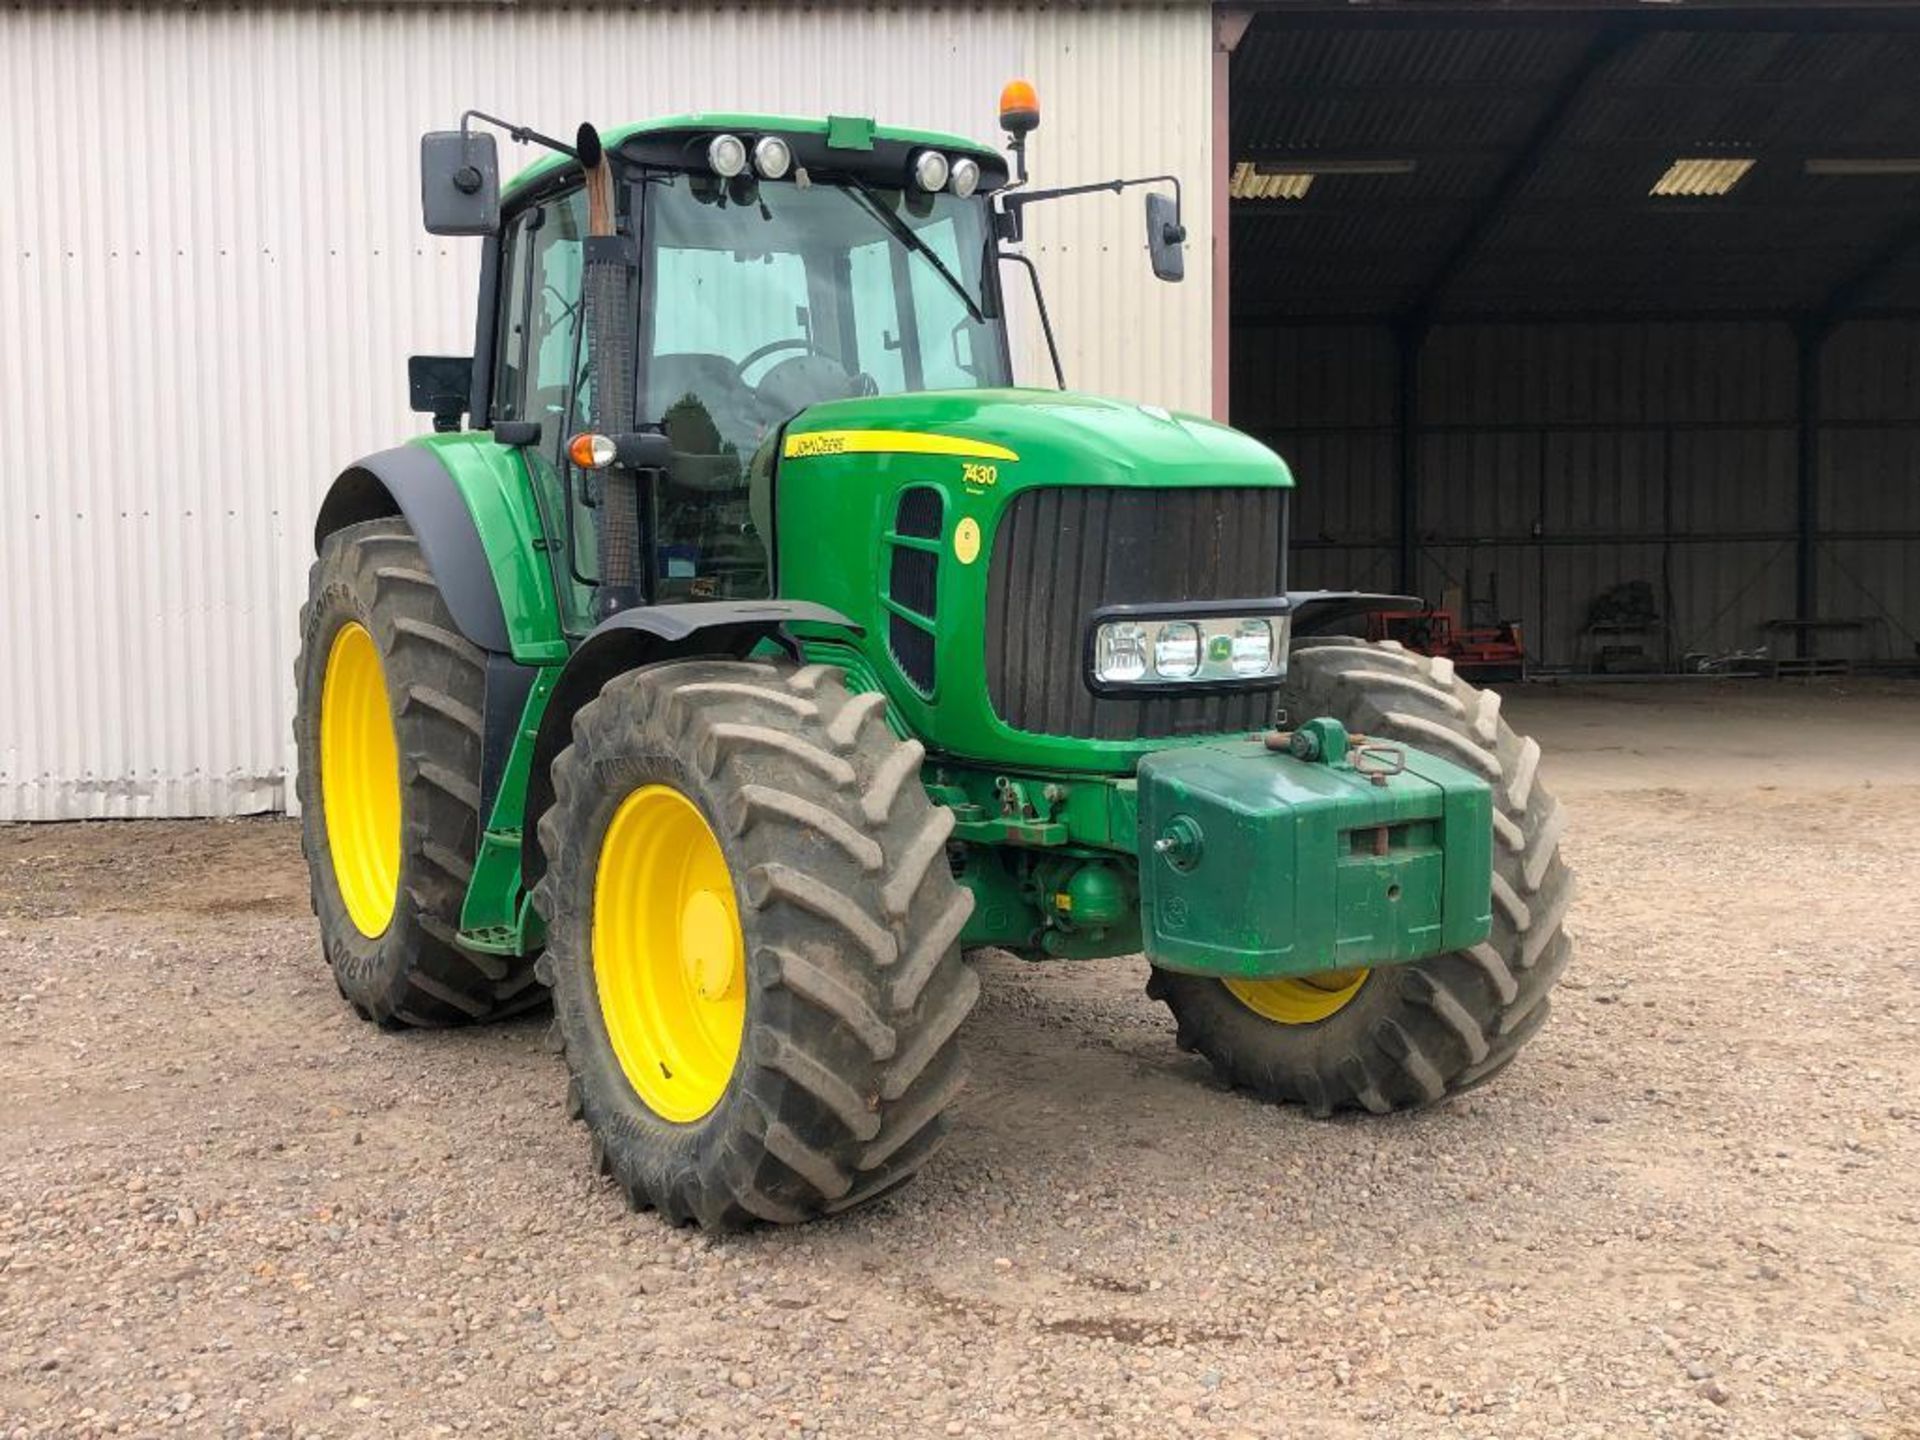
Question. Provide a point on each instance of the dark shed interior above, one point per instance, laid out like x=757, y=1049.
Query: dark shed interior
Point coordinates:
x=1605, y=320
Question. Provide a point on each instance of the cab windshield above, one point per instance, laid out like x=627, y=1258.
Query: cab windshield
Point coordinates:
x=760, y=299
x=765, y=298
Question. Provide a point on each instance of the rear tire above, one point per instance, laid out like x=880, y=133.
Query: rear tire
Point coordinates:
x=1409, y=1035
x=846, y=923
x=408, y=970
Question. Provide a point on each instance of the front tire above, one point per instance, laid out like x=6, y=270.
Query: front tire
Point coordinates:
x=388, y=734
x=752, y=943
x=1402, y=1036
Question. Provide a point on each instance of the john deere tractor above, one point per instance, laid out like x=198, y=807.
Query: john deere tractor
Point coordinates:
x=744, y=647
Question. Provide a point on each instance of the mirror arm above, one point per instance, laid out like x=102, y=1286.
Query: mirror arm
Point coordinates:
x=1009, y=212
x=1040, y=304
x=520, y=134
x=468, y=178
x=1018, y=201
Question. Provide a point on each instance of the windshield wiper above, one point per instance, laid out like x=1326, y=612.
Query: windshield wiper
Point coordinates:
x=910, y=238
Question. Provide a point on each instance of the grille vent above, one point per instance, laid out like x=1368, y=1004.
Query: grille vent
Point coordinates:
x=913, y=584
x=913, y=652
x=919, y=513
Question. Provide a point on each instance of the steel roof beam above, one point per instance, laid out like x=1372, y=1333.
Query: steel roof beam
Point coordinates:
x=1792, y=153
x=1841, y=298
x=1782, y=17
x=1271, y=318
x=1527, y=163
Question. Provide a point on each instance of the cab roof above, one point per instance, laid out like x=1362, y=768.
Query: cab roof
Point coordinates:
x=851, y=134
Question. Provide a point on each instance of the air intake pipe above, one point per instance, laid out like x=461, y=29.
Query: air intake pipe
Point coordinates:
x=607, y=285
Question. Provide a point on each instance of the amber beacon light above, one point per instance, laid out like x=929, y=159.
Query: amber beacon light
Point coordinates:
x=1019, y=108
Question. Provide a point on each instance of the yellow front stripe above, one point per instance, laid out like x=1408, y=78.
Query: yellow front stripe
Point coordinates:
x=891, y=442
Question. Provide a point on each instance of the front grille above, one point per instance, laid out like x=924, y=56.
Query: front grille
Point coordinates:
x=1060, y=554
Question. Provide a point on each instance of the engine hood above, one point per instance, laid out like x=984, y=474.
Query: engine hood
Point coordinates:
x=1066, y=438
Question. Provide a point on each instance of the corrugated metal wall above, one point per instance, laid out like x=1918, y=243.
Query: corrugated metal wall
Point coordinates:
x=1326, y=397
x=212, y=271
x=1869, y=482
x=1555, y=461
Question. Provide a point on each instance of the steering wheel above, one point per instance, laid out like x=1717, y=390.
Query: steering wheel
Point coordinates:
x=754, y=357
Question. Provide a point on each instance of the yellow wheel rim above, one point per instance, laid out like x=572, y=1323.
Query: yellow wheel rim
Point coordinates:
x=1300, y=1000
x=360, y=779
x=668, y=958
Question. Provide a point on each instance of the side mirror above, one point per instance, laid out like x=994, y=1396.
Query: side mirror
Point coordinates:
x=459, y=182
x=1165, y=237
x=440, y=386
x=643, y=450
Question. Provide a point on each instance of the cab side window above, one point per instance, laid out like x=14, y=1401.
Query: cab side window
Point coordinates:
x=535, y=346
x=510, y=334
x=553, y=325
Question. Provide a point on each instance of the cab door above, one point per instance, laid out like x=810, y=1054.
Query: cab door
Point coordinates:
x=541, y=375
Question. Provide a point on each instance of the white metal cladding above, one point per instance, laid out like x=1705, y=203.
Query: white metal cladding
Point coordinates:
x=212, y=271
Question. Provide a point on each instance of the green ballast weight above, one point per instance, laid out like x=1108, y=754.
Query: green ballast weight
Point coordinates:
x=1308, y=852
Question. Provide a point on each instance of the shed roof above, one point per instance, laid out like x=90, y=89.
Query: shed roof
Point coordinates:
x=1492, y=164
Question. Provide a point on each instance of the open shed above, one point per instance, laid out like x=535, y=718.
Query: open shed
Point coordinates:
x=1604, y=319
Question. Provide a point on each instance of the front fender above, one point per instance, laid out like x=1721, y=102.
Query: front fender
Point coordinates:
x=468, y=501
x=1325, y=612
x=651, y=635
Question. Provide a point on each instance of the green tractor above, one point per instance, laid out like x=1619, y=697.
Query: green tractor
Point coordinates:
x=743, y=648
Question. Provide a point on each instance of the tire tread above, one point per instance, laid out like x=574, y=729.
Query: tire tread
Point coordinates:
x=417, y=973
x=852, y=1064
x=1441, y=1025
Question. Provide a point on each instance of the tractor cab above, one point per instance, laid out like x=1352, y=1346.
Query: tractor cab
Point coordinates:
x=773, y=264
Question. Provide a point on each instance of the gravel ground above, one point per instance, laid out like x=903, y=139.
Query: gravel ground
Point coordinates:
x=228, y=1208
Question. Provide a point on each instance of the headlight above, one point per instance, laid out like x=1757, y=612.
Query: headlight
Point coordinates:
x=1251, y=650
x=771, y=157
x=726, y=155
x=965, y=178
x=930, y=170
x=1176, y=651
x=1179, y=650
x=1120, y=653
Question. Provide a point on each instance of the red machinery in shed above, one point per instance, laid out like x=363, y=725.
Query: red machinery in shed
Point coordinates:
x=1481, y=653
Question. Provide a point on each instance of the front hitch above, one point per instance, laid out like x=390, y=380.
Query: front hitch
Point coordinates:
x=1310, y=850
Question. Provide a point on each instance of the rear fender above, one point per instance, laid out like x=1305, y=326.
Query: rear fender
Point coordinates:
x=467, y=501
